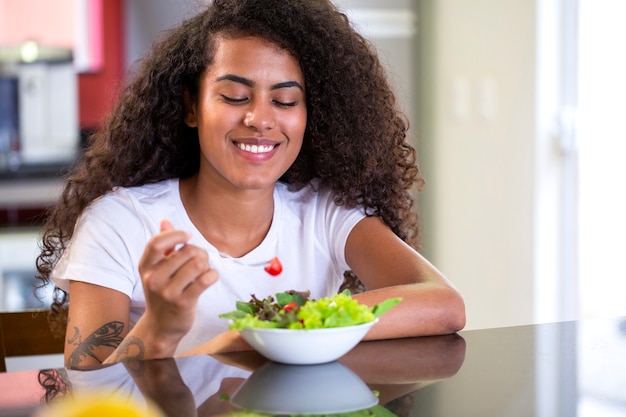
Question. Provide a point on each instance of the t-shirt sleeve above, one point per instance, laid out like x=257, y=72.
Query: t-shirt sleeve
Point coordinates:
x=105, y=248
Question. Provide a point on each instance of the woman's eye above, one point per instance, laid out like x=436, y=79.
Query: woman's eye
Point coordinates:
x=234, y=100
x=285, y=104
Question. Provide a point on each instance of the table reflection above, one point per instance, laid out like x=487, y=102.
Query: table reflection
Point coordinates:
x=575, y=368
x=225, y=384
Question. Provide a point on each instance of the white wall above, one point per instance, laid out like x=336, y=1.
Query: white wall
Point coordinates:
x=478, y=124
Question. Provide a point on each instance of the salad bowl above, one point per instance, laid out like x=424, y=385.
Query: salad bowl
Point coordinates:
x=305, y=346
x=291, y=328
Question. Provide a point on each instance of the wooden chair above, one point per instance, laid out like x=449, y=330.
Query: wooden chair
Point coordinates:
x=27, y=333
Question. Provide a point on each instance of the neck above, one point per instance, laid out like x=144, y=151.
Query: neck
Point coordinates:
x=234, y=221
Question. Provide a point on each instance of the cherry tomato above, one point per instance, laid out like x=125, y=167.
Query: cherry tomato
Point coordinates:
x=274, y=267
x=290, y=306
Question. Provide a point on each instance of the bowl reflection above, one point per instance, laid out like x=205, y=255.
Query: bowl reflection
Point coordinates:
x=304, y=389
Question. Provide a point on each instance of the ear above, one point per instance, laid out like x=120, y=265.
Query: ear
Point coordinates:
x=191, y=118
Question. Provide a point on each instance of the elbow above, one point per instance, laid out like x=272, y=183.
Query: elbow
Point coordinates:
x=448, y=312
x=457, y=322
x=455, y=319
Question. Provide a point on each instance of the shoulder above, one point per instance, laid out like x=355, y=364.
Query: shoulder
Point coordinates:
x=134, y=197
x=132, y=210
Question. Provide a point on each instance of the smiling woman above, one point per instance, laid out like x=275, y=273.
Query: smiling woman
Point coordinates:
x=257, y=129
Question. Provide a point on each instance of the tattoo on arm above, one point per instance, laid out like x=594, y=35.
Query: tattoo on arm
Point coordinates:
x=106, y=336
x=131, y=349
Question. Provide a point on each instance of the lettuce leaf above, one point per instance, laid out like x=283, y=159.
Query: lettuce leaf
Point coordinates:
x=340, y=310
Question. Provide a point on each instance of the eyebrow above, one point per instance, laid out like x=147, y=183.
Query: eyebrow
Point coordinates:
x=250, y=83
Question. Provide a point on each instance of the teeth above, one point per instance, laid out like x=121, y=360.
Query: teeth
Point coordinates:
x=255, y=148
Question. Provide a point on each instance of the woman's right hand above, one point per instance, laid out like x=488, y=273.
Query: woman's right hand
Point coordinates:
x=174, y=274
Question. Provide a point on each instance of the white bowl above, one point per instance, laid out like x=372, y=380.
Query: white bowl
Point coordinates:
x=329, y=388
x=305, y=347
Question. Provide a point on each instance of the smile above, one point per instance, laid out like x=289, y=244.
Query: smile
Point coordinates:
x=255, y=148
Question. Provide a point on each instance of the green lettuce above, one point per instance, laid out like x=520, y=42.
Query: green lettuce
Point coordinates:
x=294, y=310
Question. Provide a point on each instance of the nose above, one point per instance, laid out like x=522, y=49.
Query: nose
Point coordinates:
x=260, y=117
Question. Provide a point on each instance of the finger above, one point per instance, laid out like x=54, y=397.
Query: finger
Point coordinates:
x=163, y=245
x=176, y=271
x=185, y=266
x=165, y=225
x=197, y=287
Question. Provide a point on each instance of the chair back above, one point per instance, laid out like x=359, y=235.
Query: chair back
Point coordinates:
x=27, y=333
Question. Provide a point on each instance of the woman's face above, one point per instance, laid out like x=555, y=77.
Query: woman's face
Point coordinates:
x=250, y=113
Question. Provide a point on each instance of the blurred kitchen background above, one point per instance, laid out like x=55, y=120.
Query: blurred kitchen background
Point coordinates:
x=516, y=108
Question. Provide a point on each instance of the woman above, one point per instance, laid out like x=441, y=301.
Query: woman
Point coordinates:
x=256, y=129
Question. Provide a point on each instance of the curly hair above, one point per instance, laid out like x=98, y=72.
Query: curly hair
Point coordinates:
x=355, y=140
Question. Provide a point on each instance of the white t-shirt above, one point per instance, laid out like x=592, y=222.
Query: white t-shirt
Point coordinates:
x=308, y=234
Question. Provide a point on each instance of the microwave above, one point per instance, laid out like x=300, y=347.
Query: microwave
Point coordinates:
x=38, y=106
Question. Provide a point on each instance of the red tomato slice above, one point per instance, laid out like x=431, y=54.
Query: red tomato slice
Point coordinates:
x=275, y=267
x=290, y=306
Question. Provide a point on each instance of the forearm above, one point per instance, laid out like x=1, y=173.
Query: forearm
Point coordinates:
x=143, y=342
x=426, y=309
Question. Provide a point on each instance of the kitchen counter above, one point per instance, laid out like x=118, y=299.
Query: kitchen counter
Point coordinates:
x=26, y=193
x=23, y=201
x=544, y=370
x=30, y=192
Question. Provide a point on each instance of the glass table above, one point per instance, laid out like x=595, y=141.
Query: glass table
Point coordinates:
x=573, y=368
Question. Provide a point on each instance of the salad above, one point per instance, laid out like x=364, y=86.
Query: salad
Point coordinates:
x=296, y=310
